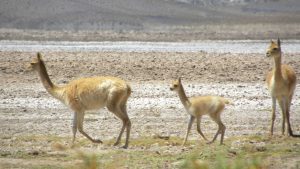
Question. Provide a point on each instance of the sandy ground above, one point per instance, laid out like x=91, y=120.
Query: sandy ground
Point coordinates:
x=26, y=109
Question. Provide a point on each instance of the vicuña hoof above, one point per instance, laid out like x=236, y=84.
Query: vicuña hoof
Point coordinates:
x=210, y=142
x=125, y=147
x=97, y=141
x=116, y=143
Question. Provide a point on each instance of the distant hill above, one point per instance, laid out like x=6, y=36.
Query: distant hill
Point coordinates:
x=148, y=20
x=120, y=15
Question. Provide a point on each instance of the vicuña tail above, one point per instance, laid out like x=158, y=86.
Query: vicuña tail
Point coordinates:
x=226, y=101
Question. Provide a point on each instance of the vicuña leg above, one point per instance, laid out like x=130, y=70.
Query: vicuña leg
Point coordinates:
x=222, y=133
x=283, y=106
x=121, y=132
x=273, y=114
x=290, y=131
x=120, y=111
x=80, y=119
x=192, y=119
x=128, y=128
x=199, y=128
x=221, y=130
x=74, y=126
x=117, y=112
x=128, y=124
x=216, y=117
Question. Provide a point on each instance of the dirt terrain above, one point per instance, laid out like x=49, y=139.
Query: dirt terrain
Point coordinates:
x=216, y=46
x=31, y=121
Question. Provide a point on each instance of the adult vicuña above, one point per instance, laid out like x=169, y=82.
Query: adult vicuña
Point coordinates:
x=281, y=82
x=199, y=106
x=89, y=94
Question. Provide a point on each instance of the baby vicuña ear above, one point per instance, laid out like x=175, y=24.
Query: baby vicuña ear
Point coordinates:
x=278, y=42
x=39, y=56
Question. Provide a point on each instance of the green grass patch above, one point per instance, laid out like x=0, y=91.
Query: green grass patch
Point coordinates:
x=242, y=152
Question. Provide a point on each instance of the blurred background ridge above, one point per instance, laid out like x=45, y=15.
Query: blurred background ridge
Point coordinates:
x=163, y=16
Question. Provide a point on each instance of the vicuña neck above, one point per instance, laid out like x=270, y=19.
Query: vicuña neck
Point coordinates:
x=277, y=66
x=45, y=78
x=183, y=98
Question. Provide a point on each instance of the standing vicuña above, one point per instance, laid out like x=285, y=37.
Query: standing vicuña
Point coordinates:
x=89, y=94
x=201, y=105
x=281, y=82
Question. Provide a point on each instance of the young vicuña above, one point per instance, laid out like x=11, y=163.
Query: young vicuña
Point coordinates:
x=89, y=94
x=199, y=106
x=281, y=82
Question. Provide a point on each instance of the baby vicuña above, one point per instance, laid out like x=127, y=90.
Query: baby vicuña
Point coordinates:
x=199, y=106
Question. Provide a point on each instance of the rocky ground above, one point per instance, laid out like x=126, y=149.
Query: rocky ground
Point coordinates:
x=31, y=120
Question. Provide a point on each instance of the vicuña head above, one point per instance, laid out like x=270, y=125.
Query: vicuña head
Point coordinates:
x=88, y=94
x=199, y=106
x=274, y=49
x=36, y=62
x=175, y=84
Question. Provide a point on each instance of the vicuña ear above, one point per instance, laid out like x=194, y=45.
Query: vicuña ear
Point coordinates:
x=278, y=43
x=179, y=79
x=39, y=56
